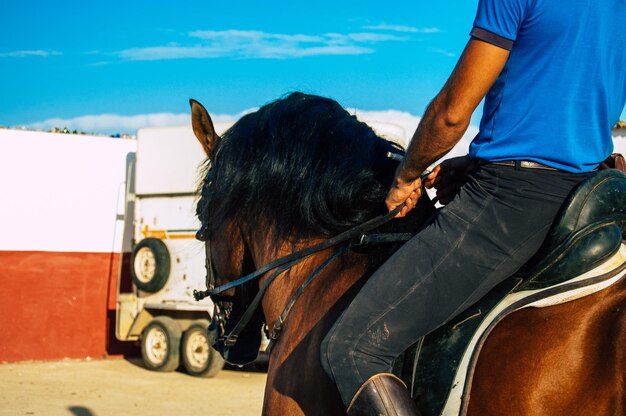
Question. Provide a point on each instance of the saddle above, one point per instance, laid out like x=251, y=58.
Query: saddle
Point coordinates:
x=582, y=254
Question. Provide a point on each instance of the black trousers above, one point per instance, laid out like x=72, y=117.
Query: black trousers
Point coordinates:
x=486, y=233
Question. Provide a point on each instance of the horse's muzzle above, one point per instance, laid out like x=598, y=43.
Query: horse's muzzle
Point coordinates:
x=238, y=350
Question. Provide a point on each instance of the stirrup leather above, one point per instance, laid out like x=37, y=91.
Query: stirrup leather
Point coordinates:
x=383, y=395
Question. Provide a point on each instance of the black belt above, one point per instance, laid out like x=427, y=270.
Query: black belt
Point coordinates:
x=518, y=164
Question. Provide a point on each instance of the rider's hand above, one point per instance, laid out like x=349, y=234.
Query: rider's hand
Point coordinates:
x=448, y=177
x=407, y=192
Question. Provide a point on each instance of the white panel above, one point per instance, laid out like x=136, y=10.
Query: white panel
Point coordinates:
x=168, y=159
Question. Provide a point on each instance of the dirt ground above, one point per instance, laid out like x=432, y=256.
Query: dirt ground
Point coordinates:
x=124, y=387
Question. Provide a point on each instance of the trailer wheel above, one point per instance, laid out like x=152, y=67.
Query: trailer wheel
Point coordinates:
x=150, y=265
x=199, y=358
x=160, y=343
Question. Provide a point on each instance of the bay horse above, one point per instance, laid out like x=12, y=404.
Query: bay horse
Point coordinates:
x=301, y=170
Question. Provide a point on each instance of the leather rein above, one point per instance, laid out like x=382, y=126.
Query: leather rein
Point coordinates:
x=358, y=233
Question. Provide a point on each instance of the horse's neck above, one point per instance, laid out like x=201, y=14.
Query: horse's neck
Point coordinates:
x=312, y=316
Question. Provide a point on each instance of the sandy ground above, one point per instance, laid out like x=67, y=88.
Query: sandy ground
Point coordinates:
x=121, y=387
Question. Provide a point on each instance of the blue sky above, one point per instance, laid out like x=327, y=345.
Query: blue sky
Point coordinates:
x=69, y=59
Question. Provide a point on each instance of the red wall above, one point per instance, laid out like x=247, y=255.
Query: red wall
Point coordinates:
x=57, y=305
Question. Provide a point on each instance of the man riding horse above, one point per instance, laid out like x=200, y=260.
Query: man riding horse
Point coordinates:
x=553, y=76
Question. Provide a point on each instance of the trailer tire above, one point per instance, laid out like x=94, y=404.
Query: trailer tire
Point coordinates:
x=150, y=265
x=199, y=358
x=160, y=344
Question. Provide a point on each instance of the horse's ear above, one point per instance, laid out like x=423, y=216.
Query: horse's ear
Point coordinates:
x=203, y=127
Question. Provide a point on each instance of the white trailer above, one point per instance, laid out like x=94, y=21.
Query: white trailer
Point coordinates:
x=166, y=261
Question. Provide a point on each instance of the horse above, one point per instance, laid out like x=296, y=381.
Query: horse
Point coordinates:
x=301, y=170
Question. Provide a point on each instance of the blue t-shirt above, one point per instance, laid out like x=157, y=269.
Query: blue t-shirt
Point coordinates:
x=563, y=86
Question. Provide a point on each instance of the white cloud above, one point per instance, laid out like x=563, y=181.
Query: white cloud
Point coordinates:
x=170, y=52
x=264, y=45
x=115, y=123
x=27, y=53
x=406, y=29
x=362, y=37
x=444, y=52
x=251, y=35
x=241, y=51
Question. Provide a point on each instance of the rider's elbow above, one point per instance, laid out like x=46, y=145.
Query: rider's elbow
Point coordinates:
x=452, y=120
x=455, y=119
x=450, y=116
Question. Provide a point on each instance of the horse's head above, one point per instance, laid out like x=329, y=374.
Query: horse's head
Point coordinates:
x=298, y=169
x=227, y=257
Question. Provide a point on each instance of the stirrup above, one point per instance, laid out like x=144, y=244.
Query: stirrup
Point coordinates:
x=383, y=394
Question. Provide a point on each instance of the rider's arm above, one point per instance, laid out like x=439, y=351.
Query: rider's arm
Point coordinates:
x=446, y=118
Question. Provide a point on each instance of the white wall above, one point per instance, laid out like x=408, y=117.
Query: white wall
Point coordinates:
x=61, y=192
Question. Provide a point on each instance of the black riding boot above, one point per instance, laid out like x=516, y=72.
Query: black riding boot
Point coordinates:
x=383, y=395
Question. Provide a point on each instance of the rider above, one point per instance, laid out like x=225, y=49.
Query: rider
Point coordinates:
x=553, y=76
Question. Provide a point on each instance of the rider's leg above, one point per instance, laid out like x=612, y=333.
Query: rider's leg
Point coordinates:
x=495, y=224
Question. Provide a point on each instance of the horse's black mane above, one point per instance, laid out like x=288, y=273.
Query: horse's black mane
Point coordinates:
x=300, y=166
